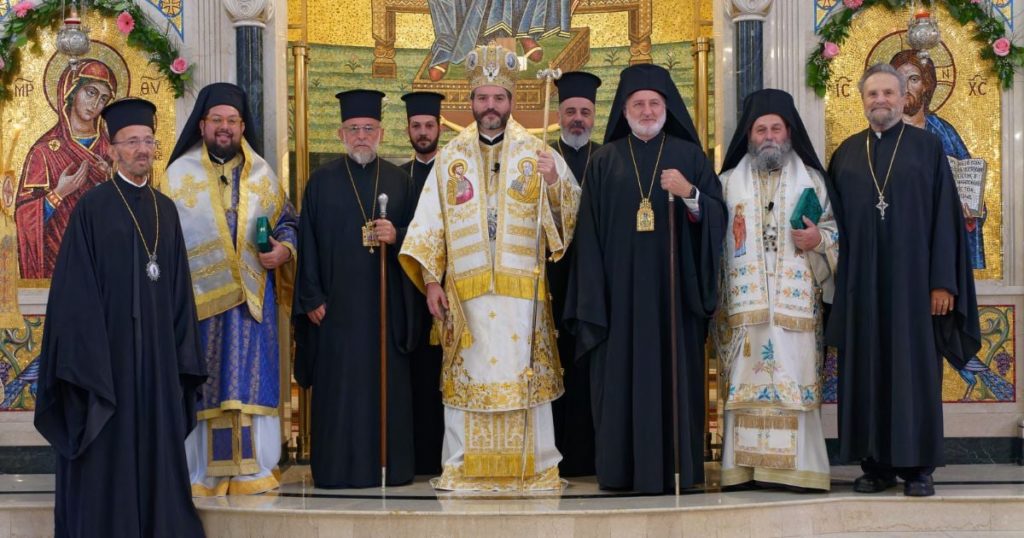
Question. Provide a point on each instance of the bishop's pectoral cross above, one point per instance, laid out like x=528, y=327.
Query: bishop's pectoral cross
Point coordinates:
x=881, y=205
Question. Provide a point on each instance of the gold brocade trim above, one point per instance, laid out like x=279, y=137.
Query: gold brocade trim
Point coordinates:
x=495, y=442
x=204, y=249
x=212, y=270
x=200, y=490
x=459, y=391
x=529, y=252
x=794, y=323
x=462, y=233
x=453, y=479
x=800, y=479
x=763, y=455
x=521, y=231
x=775, y=405
x=437, y=329
x=420, y=254
x=217, y=301
x=252, y=487
x=772, y=461
x=520, y=287
x=467, y=250
x=767, y=422
x=237, y=465
x=236, y=405
x=34, y=283
x=756, y=317
x=508, y=285
x=497, y=465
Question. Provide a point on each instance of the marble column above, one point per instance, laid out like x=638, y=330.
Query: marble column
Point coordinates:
x=748, y=17
x=789, y=39
x=249, y=18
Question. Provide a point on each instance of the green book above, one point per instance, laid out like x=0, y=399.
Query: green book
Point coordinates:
x=807, y=206
x=263, y=234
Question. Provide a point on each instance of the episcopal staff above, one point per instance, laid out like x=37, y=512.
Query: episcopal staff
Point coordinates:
x=120, y=363
x=574, y=425
x=337, y=308
x=222, y=187
x=618, y=305
x=774, y=275
x=905, y=291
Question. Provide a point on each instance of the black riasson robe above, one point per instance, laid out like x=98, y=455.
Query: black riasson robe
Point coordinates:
x=340, y=359
x=574, y=423
x=618, y=308
x=425, y=364
x=890, y=369
x=119, y=371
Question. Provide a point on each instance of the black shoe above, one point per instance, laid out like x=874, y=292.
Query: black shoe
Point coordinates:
x=872, y=483
x=923, y=487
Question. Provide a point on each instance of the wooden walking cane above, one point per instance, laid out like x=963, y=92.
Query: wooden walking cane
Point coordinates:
x=548, y=75
x=673, y=332
x=382, y=201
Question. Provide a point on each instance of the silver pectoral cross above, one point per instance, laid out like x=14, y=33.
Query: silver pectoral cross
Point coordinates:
x=881, y=205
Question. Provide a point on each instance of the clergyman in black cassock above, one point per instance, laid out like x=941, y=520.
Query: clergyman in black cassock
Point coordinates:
x=337, y=308
x=574, y=423
x=618, y=304
x=120, y=365
x=905, y=292
x=423, y=113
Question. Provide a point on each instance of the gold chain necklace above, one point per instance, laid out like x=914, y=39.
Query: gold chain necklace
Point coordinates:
x=590, y=149
x=152, y=269
x=369, y=235
x=881, y=205
x=645, y=215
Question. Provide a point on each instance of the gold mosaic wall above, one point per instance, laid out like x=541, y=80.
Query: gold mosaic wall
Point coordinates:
x=967, y=96
x=348, y=23
x=30, y=114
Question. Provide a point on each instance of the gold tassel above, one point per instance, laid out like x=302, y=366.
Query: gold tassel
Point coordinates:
x=746, y=345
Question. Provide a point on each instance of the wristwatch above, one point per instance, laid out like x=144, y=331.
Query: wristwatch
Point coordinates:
x=693, y=192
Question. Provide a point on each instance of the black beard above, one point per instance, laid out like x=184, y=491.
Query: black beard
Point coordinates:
x=423, y=151
x=502, y=122
x=224, y=153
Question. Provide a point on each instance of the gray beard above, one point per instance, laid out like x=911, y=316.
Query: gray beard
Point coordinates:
x=576, y=141
x=363, y=156
x=881, y=120
x=769, y=157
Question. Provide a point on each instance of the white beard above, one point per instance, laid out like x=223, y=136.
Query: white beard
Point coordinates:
x=647, y=132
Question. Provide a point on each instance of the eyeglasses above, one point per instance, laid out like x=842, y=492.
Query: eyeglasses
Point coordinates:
x=217, y=121
x=354, y=130
x=134, y=143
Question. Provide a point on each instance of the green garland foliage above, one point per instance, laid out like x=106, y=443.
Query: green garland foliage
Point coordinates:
x=20, y=32
x=989, y=30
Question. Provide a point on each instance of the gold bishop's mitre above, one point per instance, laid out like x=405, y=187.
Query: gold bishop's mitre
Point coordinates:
x=492, y=65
